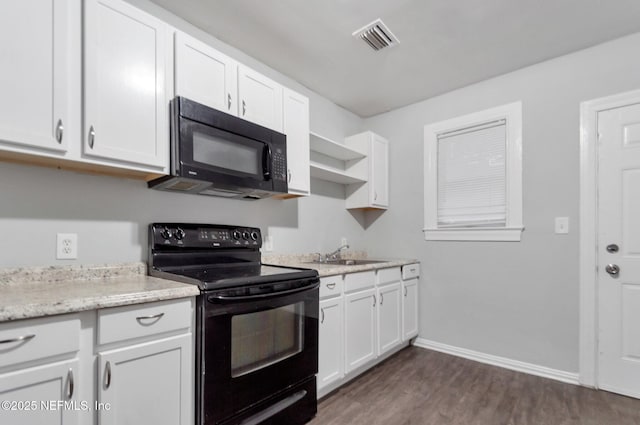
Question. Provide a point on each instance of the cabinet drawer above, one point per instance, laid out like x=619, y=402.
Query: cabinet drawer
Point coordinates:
x=385, y=276
x=331, y=286
x=26, y=340
x=358, y=281
x=410, y=271
x=121, y=323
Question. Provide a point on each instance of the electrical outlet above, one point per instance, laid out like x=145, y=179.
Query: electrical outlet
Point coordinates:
x=343, y=241
x=267, y=245
x=67, y=246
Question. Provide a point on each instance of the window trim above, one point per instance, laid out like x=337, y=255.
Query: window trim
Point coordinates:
x=512, y=231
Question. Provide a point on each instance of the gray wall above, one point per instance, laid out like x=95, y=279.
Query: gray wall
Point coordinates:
x=517, y=300
x=110, y=215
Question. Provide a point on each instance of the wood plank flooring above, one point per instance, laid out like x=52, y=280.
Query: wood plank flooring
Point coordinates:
x=424, y=387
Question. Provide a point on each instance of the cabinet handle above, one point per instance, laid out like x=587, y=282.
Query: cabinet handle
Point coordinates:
x=18, y=339
x=375, y=195
x=228, y=100
x=405, y=291
x=92, y=137
x=374, y=300
x=70, y=381
x=107, y=372
x=331, y=285
x=59, y=131
x=381, y=299
x=289, y=173
x=244, y=108
x=154, y=316
x=322, y=313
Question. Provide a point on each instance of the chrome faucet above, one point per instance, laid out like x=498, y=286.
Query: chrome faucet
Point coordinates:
x=335, y=255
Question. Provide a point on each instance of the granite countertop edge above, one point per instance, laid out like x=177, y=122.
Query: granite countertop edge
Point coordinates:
x=328, y=269
x=28, y=293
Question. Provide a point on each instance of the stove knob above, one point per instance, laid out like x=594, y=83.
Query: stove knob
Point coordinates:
x=166, y=233
x=179, y=234
x=254, y=235
x=245, y=235
x=236, y=234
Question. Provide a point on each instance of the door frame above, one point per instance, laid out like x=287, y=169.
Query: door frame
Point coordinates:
x=589, y=110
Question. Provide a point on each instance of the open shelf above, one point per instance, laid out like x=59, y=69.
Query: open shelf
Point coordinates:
x=324, y=172
x=333, y=149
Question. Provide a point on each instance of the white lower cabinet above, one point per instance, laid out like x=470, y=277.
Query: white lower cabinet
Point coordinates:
x=39, y=370
x=364, y=318
x=360, y=328
x=143, y=372
x=389, y=317
x=330, y=342
x=147, y=383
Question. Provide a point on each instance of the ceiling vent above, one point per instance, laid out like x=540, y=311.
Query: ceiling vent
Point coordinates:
x=377, y=35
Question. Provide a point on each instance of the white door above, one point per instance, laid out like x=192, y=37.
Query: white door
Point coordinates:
x=148, y=383
x=260, y=99
x=296, y=127
x=360, y=328
x=125, y=107
x=330, y=342
x=205, y=75
x=380, y=172
x=619, y=269
x=35, y=73
x=43, y=395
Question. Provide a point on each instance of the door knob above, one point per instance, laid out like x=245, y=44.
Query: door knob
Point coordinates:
x=612, y=269
x=613, y=248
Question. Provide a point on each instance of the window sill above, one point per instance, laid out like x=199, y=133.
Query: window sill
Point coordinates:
x=498, y=234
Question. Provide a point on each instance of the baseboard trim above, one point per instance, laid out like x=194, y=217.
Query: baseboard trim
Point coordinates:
x=518, y=366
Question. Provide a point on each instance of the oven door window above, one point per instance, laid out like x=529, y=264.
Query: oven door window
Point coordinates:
x=266, y=337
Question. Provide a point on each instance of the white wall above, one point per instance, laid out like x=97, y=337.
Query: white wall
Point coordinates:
x=516, y=300
x=111, y=215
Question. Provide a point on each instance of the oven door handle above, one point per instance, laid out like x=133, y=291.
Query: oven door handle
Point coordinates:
x=262, y=296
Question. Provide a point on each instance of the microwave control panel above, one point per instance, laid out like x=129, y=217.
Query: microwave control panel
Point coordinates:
x=279, y=165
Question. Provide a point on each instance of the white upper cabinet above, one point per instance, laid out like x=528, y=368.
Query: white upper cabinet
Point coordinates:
x=126, y=115
x=205, y=75
x=296, y=127
x=260, y=99
x=36, y=74
x=375, y=192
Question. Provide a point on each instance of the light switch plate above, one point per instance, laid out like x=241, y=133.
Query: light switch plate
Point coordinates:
x=562, y=225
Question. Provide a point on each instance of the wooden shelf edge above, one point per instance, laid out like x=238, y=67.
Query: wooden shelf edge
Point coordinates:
x=333, y=149
x=324, y=172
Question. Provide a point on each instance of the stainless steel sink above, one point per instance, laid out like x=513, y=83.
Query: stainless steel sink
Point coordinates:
x=347, y=262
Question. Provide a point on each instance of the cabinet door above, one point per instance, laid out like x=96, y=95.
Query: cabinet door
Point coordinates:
x=36, y=73
x=49, y=392
x=379, y=164
x=205, y=75
x=360, y=328
x=296, y=127
x=148, y=383
x=330, y=342
x=389, y=317
x=260, y=99
x=125, y=107
x=410, y=309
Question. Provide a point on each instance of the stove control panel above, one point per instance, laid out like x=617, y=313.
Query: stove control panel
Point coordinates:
x=189, y=235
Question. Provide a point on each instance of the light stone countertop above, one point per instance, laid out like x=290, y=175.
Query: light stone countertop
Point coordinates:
x=328, y=269
x=46, y=291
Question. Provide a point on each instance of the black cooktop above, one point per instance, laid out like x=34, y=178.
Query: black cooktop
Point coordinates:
x=214, y=256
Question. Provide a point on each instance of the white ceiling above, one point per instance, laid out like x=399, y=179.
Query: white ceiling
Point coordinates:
x=444, y=44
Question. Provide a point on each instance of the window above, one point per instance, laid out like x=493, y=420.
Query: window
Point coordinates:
x=473, y=176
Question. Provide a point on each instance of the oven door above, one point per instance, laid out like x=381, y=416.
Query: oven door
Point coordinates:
x=230, y=160
x=256, y=347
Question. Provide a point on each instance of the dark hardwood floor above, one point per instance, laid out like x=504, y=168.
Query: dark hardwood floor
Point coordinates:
x=425, y=387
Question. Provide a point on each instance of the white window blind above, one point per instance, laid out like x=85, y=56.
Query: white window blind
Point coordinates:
x=472, y=176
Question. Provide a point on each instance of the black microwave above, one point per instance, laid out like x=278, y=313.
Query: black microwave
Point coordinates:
x=214, y=153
